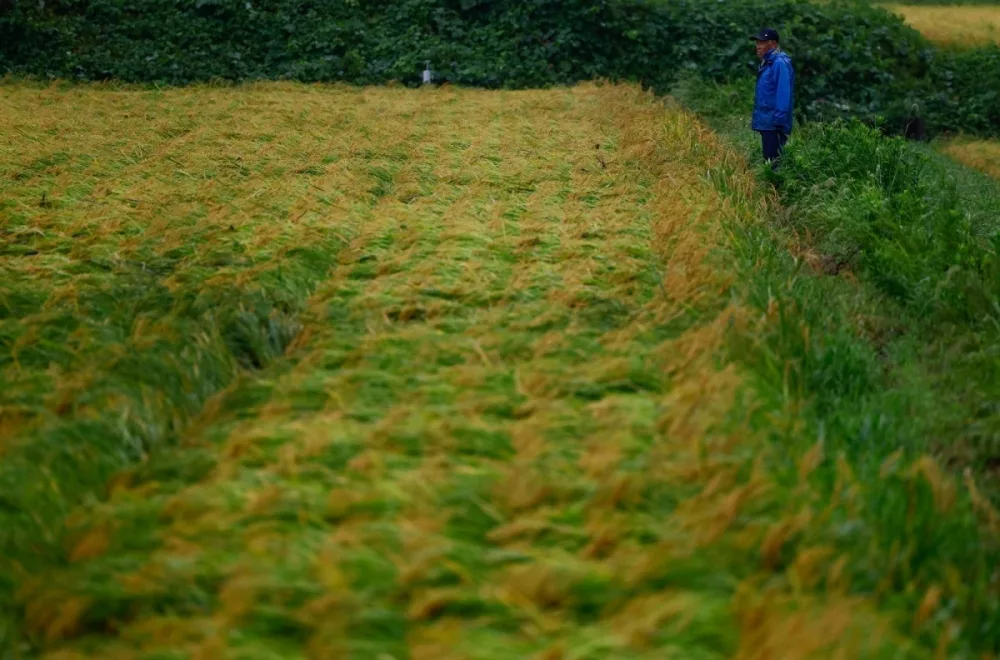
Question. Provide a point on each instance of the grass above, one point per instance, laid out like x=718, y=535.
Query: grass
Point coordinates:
x=916, y=233
x=449, y=374
x=953, y=25
x=873, y=219
x=148, y=263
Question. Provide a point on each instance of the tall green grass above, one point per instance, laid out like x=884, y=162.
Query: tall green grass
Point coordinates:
x=880, y=262
x=898, y=220
x=917, y=233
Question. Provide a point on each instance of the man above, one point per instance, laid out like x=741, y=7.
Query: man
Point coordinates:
x=772, y=104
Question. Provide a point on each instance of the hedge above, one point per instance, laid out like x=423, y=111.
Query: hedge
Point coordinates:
x=853, y=59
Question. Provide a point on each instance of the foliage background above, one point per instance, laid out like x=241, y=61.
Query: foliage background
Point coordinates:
x=853, y=59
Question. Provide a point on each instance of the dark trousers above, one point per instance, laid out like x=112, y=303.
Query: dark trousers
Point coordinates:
x=773, y=143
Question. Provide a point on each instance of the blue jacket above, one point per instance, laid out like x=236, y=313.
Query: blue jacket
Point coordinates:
x=772, y=104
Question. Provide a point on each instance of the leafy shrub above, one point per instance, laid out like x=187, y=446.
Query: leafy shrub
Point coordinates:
x=493, y=44
x=967, y=93
x=853, y=59
x=868, y=202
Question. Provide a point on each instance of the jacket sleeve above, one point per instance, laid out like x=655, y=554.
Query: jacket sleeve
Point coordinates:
x=783, y=95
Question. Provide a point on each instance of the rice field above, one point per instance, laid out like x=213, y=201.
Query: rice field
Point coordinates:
x=982, y=155
x=311, y=372
x=953, y=25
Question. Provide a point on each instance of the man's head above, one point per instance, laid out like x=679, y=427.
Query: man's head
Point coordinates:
x=767, y=40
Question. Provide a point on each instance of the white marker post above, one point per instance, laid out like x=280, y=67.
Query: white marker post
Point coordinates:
x=427, y=73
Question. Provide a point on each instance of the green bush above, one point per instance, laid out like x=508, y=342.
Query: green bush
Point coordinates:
x=472, y=42
x=874, y=208
x=966, y=91
x=852, y=59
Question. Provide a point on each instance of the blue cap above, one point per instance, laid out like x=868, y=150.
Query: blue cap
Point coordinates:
x=767, y=34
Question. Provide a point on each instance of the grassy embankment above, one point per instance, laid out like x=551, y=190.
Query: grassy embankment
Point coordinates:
x=297, y=372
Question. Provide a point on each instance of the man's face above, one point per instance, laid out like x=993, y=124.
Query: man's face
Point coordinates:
x=765, y=47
